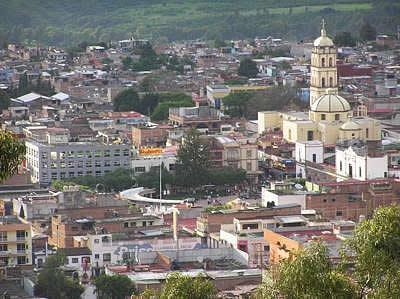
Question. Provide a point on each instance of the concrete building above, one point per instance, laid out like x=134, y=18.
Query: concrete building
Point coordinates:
x=15, y=244
x=283, y=195
x=150, y=135
x=358, y=161
x=51, y=156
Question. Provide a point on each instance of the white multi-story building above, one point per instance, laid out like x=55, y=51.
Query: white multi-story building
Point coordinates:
x=51, y=156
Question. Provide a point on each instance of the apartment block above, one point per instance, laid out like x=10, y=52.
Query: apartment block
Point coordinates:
x=15, y=244
x=52, y=156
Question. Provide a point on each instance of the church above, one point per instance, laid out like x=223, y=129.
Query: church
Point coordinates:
x=330, y=118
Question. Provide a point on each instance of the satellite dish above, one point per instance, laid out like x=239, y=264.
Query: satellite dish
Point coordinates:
x=298, y=186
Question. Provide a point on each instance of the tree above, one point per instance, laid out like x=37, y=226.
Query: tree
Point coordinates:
x=126, y=100
x=127, y=63
x=344, y=39
x=170, y=100
x=23, y=84
x=147, y=85
x=114, y=287
x=53, y=284
x=248, y=68
x=309, y=275
x=375, y=250
x=235, y=104
x=12, y=152
x=4, y=101
x=192, y=160
x=367, y=32
x=180, y=286
x=218, y=43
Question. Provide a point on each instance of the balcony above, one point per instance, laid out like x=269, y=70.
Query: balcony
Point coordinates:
x=4, y=239
x=20, y=238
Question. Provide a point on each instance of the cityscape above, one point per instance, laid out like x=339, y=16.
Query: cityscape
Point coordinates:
x=204, y=167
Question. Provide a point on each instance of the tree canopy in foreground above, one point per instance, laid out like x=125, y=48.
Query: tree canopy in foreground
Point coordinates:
x=12, y=153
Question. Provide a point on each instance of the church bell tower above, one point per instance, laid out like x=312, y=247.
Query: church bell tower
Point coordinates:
x=323, y=67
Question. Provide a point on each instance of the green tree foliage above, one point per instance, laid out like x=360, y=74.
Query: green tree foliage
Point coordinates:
x=192, y=160
x=367, y=32
x=127, y=63
x=12, y=152
x=218, y=43
x=227, y=176
x=248, y=68
x=117, y=180
x=53, y=284
x=170, y=100
x=236, y=103
x=148, y=60
x=309, y=275
x=4, y=101
x=344, y=39
x=151, y=179
x=147, y=85
x=114, y=287
x=180, y=286
x=375, y=250
x=126, y=100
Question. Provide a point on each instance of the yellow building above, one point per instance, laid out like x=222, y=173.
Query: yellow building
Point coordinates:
x=330, y=118
x=15, y=244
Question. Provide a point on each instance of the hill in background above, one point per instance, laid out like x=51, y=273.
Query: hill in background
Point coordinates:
x=72, y=21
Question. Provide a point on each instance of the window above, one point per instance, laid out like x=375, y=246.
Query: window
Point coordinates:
x=385, y=174
x=71, y=164
x=106, y=257
x=333, y=199
x=3, y=236
x=107, y=164
x=53, y=155
x=97, y=256
x=79, y=154
x=20, y=235
x=140, y=169
x=97, y=241
x=21, y=260
x=21, y=248
x=3, y=247
x=248, y=154
x=340, y=166
x=53, y=165
x=97, y=153
x=133, y=224
x=88, y=164
x=117, y=153
x=330, y=61
x=367, y=133
x=331, y=82
x=54, y=175
x=71, y=154
x=98, y=173
x=80, y=173
x=80, y=164
x=310, y=135
x=323, y=117
x=126, y=224
x=339, y=213
x=89, y=172
x=62, y=155
x=89, y=154
x=337, y=116
x=62, y=164
x=314, y=158
x=62, y=175
x=248, y=166
x=107, y=153
x=71, y=174
x=359, y=171
x=322, y=62
x=126, y=152
x=97, y=164
x=250, y=226
x=75, y=260
x=117, y=163
x=323, y=82
x=290, y=134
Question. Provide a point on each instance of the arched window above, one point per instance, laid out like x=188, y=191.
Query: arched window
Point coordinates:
x=323, y=62
x=290, y=134
x=331, y=82
x=330, y=61
x=323, y=82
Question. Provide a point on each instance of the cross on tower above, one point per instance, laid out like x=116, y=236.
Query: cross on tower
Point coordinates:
x=323, y=30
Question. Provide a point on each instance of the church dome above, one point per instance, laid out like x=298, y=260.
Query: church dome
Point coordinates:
x=330, y=103
x=350, y=126
x=323, y=40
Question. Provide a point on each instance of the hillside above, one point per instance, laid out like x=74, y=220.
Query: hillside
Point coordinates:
x=73, y=21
